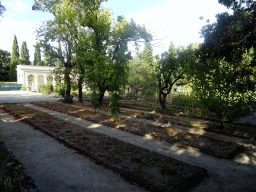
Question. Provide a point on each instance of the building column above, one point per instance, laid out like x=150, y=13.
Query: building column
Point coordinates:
x=36, y=82
x=26, y=79
x=45, y=79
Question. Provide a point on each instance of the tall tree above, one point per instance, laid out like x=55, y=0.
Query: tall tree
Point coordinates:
x=102, y=53
x=24, y=54
x=227, y=61
x=53, y=31
x=142, y=74
x=5, y=58
x=14, y=59
x=106, y=48
x=170, y=69
x=37, y=54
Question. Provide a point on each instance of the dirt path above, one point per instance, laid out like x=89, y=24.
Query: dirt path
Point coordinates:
x=55, y=167
x=225, y=175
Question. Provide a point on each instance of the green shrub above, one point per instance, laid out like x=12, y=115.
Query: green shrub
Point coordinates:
x=8, y=82
x=45, y=88
x=23, y=87
x=170, y=111
x=114, y=105
x=62, y=92
x=148, y=94
x=59, y=86
x=74, y=86
x=95, y=103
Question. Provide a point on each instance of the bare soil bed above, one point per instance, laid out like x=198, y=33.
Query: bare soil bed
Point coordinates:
x=208, y=145
x=149, y=169
x=194, y=121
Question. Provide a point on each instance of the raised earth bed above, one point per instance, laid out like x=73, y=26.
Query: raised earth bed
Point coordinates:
x=148, y=169
x=195, y=121
x=215, y=147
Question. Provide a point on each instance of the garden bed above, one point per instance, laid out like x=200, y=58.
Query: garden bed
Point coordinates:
x=215, y=147
x=151, y=170
x=194, y=121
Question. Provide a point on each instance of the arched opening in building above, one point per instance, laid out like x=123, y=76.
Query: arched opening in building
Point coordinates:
x=31, y=81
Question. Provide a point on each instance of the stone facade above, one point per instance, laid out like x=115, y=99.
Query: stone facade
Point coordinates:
x=35, y=75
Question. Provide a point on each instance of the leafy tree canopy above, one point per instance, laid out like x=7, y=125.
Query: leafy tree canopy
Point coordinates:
x=232, y=33
x=100, y=43
x=5, y=58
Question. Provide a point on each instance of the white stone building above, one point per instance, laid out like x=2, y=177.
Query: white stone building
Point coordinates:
x=35, y=75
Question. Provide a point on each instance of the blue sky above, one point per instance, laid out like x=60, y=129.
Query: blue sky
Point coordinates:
x=168, y=20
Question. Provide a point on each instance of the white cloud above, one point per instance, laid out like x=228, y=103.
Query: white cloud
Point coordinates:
x=19, y=19
x=177, y=21
x=24, y=30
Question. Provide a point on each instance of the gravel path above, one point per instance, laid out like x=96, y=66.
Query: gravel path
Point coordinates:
x=55, y=167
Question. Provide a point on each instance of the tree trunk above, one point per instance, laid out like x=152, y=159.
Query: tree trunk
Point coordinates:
x=67, y=81
x=101, y=95
x=80, y=83
x=162, y=99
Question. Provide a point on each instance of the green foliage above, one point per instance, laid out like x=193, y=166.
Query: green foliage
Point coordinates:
x=170, y=112
x=4, y=65
x=24, y=54
x=99, y=43
x=49, y=60
x=37, y=55
x=141, y=71
x=14, y=59
x=95, y=101
x=232, y=33
x=114, y=105
x=222, y=87
x=62, y=92
x=23, y=88
x=45, y=88
x=149, y=93
x=74, y=86
x=170, y=68
x=8, y=82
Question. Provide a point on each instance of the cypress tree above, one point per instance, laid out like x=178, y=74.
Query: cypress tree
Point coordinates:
x=24, y=54
x=14, y=59
x=37, y=54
